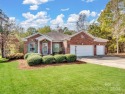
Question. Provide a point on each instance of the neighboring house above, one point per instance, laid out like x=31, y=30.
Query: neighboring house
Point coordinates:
x=81, y=44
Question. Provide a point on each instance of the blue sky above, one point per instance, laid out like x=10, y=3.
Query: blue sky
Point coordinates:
x=38, y=13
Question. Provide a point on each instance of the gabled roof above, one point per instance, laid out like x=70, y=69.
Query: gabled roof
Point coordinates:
x=57, y=36
x=33, y=35
x=25, y=39
x=44, y=37
x=80, y=32
x=95, y=38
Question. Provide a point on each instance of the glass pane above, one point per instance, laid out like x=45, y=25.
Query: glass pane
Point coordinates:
x=56, y=47
x=32, y=47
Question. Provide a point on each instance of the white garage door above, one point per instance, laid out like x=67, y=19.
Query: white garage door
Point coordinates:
x=82, y=50
x=100, y=50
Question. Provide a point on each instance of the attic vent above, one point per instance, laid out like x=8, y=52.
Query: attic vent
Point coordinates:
x=82, y=36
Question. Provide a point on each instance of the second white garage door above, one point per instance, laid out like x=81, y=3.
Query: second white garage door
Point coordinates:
x=100, y=50
x=82, y=50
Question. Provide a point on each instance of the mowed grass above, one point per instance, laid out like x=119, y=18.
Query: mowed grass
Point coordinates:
x=66, y=79
x=2, y=60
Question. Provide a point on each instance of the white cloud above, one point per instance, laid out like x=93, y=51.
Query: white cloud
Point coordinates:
x=88, y=1
x=38, y=20
x=100, y=13
x=47, y=8
x=88, y=13
x=66, y=9
x=93, y=14
x=70, y=23
x=72, y=18
x=28, y=15
x=94, y=21
x=34, y=7
x=58, y=20
x=12, y=18
x=34, y=2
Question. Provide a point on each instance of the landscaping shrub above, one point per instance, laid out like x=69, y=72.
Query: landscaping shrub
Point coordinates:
x=15, y=56
x=70, y=57
x=30, y=54
x=59, y=58
x=19, y=55
x=34, y=60
x=26, y=55
x=48, y=59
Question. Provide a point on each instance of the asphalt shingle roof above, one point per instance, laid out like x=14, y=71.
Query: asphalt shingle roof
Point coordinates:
x=57, y=35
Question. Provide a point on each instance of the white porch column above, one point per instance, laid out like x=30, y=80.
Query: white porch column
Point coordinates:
x=51, y=47
x=38, y=46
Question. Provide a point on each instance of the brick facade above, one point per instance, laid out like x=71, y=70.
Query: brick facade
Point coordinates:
x=30, y=40
x=78, y=39
x=83, y=39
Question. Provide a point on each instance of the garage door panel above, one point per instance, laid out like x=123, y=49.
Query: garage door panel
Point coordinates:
x=100, y=50
x=82, y=50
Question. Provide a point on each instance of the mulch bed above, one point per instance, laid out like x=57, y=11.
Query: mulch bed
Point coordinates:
x=23, y=64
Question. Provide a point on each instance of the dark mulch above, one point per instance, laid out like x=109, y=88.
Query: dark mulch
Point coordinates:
x=23, y=64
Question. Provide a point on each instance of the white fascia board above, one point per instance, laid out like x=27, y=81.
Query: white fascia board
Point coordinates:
x=43, y=37
x=33, y=35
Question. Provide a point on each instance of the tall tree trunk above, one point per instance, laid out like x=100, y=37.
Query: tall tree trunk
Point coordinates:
x=117, y=43
x=2, y=46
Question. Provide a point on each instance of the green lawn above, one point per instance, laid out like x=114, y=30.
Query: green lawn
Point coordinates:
x=2, y=60
x=66, y=79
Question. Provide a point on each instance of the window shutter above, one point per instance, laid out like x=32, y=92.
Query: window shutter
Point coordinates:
x=36, y=48
x=28, y=48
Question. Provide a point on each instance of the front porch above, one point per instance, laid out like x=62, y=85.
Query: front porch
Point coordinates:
x=46, y=46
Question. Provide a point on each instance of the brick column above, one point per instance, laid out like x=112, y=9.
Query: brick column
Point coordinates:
x=94, y=50
x=106, y=50
x=25, y=47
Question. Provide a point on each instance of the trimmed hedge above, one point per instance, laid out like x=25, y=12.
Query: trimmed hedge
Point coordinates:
x=60, y=58
x=34, y=60
x=26, y=55
x=48, y=59
x=30, y=54
x=15, y=56
x=70, y=57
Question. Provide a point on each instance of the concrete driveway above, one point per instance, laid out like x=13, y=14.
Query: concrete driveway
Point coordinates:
x=106, y=60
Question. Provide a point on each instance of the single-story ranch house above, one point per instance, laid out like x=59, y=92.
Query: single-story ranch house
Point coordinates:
x=80, y=43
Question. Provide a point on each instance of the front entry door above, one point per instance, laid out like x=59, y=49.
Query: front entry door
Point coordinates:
x=44, y=48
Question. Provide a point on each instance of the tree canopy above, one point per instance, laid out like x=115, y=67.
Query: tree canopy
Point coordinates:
x=44, y=30
x=111, y=25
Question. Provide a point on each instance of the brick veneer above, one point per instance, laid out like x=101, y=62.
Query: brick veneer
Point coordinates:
x=28, y=41
x=79, y=39
x=83, y=39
